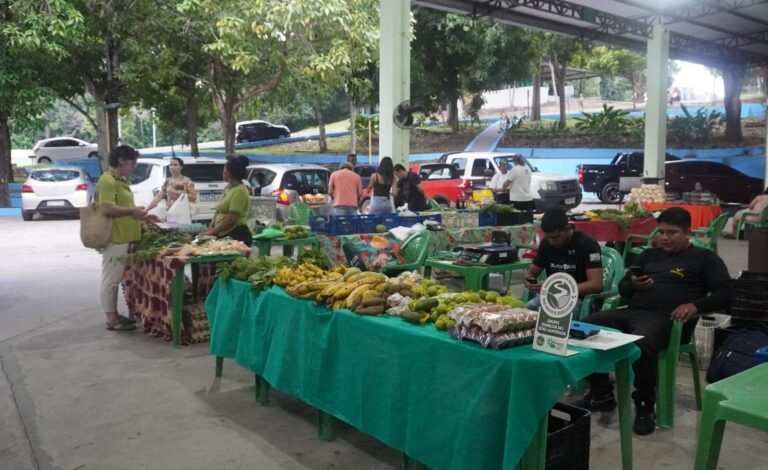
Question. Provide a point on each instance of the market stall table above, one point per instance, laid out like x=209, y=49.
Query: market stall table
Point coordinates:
x=610, y=231
x=264, y=245
x=476, y=275
x=701, y=215
x=446, y=403
x=154, y=290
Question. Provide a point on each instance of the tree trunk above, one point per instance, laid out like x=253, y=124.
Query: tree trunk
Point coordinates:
x=552, y=67
x=560, y=91
x=192, y=121
x=453, y=114
x=634, y=92
x=352, y=125
x=6, y=169
x=225, y=108
x=536, y=98
x=733, y=78
x=321, y=127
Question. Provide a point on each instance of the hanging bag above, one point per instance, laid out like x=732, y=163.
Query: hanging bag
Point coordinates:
x=179, y=212
x=95, y=227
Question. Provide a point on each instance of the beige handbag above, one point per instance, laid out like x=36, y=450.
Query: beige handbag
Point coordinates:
x=95, y=227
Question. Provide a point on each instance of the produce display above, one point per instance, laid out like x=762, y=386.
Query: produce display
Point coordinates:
x=152, y=243
x=634, y=209
x=622, y=218
x=205, y=246
x=650, y=193
x=493, y=326
x=315, y=256
x=294, y=232
x=260, y=271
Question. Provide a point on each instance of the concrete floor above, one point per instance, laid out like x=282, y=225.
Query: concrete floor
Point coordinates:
x=75, y=396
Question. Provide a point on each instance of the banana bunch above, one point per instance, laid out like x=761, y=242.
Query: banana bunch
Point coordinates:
x=359, y=291
x=306, y=272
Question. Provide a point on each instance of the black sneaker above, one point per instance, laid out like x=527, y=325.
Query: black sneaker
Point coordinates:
x=645, y=421
x=591, y=402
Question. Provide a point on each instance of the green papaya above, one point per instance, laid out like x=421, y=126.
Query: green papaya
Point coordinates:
x=410, y=317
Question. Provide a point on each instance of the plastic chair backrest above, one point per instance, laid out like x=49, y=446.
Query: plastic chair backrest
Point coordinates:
x=415, y=249
x=716, y=226
x=299, y=213
x=613, y=268
x=433, y=205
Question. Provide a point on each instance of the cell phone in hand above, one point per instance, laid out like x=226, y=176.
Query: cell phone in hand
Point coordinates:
x=531, y=280
x=636, y=270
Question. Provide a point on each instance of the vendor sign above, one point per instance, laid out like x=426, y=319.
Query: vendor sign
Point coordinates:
x=559, y=295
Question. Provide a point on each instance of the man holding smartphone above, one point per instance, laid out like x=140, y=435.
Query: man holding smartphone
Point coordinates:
x=565, y=250
x=675, y=281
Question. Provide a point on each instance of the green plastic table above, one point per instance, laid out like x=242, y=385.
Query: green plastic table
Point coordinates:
x=444, y=403
x=475, y=276
x=265, y=245
x=177, y=290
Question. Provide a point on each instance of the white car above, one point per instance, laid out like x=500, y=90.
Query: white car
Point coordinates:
x=56, y=190
x=205, y=173
x=63, y=149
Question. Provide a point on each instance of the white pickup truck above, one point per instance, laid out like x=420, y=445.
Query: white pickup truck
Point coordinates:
x=549, y=190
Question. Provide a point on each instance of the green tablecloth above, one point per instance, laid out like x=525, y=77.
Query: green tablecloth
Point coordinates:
x=449, y=404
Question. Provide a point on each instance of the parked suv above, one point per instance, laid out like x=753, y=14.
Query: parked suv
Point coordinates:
x=549, y=190
x=289, y=183
x=205, y=173
x=252, y=131
x=728, y=184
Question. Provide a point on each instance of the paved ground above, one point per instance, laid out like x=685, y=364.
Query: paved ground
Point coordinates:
x=75, y=396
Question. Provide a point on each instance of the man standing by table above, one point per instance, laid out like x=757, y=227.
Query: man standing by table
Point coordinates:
x=409, y=189
x=565, y=250
x=498, y=183
x=345, y=187
x=676, y=281
x=519, y=185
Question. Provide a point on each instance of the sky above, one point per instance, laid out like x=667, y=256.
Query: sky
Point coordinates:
x=698, y=78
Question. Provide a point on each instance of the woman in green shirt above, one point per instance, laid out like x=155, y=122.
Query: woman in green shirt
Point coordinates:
x=232, y=211
x=115, y=199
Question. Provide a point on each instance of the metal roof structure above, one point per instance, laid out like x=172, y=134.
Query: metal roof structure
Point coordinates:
x=716, y=33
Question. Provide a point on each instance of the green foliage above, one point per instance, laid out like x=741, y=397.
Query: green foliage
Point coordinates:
x=692, y=128
x=258, y=271
x=362, y=121
x=609, y=121
x=615, y=89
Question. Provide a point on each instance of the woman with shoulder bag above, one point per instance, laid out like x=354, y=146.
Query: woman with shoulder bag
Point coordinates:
x=231, y=216
x=115, y=199
x=175, y=186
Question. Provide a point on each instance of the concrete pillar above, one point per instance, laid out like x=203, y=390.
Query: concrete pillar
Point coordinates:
x=765, y=152
x=656, y=106
x=394, y=77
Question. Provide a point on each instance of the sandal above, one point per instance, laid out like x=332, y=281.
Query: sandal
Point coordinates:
x=120, y=326
x=127, y=320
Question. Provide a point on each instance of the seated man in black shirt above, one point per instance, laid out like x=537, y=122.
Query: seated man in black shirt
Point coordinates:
x=565, y=250
x=677, y=282
x=409, y=189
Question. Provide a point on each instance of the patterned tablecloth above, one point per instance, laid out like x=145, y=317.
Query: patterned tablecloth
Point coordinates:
x=147, y=287
x=440, y=241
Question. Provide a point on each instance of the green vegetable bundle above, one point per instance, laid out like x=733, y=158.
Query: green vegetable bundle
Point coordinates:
x=620, y=217
x=315, y=256
x=152, y=242
x=259, y=272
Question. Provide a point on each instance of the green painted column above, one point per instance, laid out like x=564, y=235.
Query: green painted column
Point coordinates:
x=394, y=76
x=656, y=106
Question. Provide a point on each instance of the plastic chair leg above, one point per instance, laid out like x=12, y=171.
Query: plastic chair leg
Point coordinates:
x=696, y=379
x=325, y=426
x=711, y=432
x=412, y=464
x=219, y=365
x=262, y=390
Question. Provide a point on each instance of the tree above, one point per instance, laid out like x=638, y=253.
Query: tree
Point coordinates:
x=31, y=36
x=561, y=51
x=453, y=55
x=612, y=62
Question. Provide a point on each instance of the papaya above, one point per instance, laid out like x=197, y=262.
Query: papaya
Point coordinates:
x=424, y=304
x=410, y=317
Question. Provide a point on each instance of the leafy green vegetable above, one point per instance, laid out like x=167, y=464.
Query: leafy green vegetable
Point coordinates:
x=152, y=242
x=259, y=272
x=315, y=256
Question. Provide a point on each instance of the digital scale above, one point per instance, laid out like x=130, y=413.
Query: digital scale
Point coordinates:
x=489, y=253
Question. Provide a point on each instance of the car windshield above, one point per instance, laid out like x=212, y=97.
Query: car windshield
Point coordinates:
x=54, y=176
x=201, y=172
x=437, y=172
x=508, y=158
x=306, y=181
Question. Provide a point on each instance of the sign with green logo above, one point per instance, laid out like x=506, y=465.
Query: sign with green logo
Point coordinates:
x=558, y=296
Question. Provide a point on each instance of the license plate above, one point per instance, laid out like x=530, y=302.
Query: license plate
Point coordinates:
x=210, y=196
x=570, y=200
x=55, y=203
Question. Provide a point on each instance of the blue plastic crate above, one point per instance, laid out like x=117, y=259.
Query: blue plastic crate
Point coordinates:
x=368, y=223
x=390, y=220
x=343, y=224
x=487, y=219
x=761, y=355
x=433, y=217
x=319, y=223
x=408, y=220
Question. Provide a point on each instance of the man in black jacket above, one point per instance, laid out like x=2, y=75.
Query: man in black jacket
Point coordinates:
x=675, y=281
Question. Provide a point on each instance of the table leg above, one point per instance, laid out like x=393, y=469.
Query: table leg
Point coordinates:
x=412, y=464
x=261, y=390
x=219, y=365
x=265, y=247
x=474, y=280
x=177, y=304
x=288, y=250
x=535, y=456
x=427, y=272
x=325, y=426
x=625, y=412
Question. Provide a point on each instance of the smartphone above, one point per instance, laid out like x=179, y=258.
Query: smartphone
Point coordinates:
x=531, y=280
x=636, y=270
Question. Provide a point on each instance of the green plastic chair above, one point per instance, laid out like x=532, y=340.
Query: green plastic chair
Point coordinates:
x=433, y=205
x=707, y=237
x=415, y=251
x=299, y=213
x=739, y=399
x=762, y=221
x=631, y=249
x=667, y=375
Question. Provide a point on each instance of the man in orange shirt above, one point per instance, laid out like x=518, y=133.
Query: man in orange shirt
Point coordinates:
x=345, y=187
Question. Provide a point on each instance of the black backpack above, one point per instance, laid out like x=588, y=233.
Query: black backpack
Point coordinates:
x=737, y=353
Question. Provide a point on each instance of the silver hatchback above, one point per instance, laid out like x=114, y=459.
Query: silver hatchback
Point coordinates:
x=289, y=183
x=56, y=190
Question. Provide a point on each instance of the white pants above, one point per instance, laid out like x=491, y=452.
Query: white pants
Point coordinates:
x=111, y=275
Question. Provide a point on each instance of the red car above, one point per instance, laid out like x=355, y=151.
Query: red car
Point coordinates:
x=441, y=182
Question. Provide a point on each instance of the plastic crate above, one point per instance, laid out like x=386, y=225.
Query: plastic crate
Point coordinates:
x=343, y=224
x=319, y=223
x=390, y=220
x=487, y=219
x=750, y=298
x=504, y=219
x=568, y=438
x=761, y=355
x=368, y=223
x=705, y=339
x=433, y=216
x=409, y=220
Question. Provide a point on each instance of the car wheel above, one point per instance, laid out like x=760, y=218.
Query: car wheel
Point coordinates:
x=93, y=155
x=27, y=215
x=43, y=160
x=365, y=206
x=611, y=194
x=444, y=204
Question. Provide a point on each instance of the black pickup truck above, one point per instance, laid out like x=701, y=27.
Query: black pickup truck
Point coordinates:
x=613, y=181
